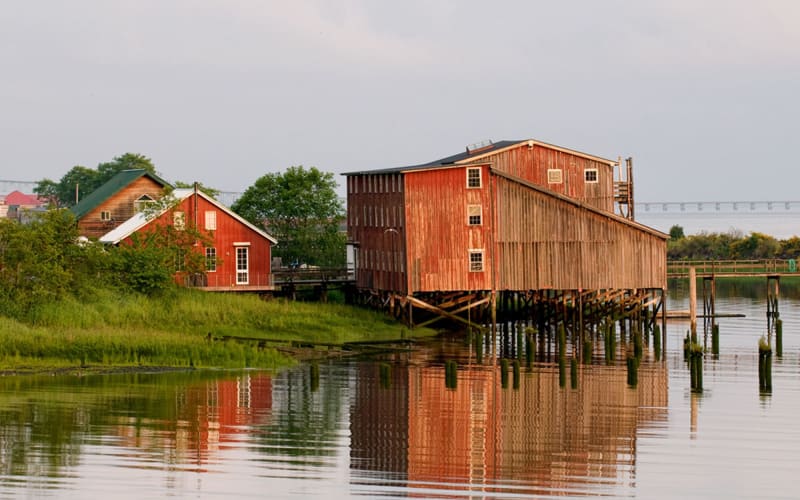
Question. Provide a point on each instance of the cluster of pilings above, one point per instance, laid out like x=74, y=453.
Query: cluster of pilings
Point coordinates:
x=693, y=352
x=529, y=325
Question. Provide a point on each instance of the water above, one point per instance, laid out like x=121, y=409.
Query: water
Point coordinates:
x=354, y=434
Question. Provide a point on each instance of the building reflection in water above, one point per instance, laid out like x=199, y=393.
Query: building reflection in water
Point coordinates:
x=482, y=437
x=203, y=419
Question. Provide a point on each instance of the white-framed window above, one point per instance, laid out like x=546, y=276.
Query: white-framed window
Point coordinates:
x=179, y=220
x=590, y=175
x=555, y=176
x=211, y=259
x=180, y=259
x=211, y=220
x=474, y=177
x=142, y=202
x=105, y=215
x=476, y=261
x=242, y=265
x=474, y=215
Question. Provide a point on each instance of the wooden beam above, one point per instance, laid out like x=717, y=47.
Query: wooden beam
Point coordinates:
x=462, y=309
x=424, y=305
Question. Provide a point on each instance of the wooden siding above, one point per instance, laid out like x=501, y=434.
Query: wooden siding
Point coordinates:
x=532, y=163
x=229, y=231
x=376, y=224
x=120, y=207
x=546, y=241
x=438, y=235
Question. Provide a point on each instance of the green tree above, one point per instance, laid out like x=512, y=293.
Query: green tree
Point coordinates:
x=300, y=208
x=676, y=232
x=43, y=261
x=80, y=180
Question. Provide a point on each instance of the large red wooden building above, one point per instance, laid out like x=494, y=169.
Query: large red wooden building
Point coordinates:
x=507, y=216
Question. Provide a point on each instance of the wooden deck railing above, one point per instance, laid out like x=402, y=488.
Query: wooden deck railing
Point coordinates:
x=762, y=267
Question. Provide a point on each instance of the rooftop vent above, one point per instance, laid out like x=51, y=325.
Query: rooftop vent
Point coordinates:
x=479, y=146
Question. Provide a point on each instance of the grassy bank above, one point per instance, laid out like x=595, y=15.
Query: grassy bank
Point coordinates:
x=114, y=329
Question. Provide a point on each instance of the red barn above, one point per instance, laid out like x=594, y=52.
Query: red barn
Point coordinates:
x=239, y=254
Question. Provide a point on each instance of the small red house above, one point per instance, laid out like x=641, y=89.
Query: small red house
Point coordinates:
x=238, y=256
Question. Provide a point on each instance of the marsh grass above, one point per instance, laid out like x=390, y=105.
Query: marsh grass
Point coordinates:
x=117, y=329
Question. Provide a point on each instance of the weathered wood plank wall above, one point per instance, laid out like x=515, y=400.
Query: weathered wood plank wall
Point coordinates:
x=545, y=242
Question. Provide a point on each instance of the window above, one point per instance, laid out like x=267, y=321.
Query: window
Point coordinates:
x=474, y=213
x=590, y=175
x=211, y=220
x=180, y=259
x=105, y=215
x=179, y=220
x=142, y=203
x=554, y=176
x=474, y=177
x=211, y=259
x=242, y=272
x=475, y=261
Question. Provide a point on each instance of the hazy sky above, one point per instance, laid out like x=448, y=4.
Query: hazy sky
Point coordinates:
x=703, y=94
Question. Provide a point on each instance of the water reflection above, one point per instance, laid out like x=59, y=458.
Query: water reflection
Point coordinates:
x=391, y=427
x=480, y=437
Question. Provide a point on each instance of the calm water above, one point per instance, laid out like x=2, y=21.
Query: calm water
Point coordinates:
x=355, y=434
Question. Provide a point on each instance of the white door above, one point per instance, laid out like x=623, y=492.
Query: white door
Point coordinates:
x=242, y=273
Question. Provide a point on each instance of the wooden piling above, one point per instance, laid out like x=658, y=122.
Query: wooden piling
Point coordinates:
x=314, y=376
x=693, y=300
x=633, y=371
x=385, y=375
x=504, y=373
x=573, y=373
x=764, y=366
x=715, y=339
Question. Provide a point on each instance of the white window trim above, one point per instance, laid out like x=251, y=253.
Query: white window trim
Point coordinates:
x=555, y=176
x=243, y=273
x=479, y=214
x=211, y=220
x=215, y=259
x=478, y=251
x=105, y=215
x=586, y=171
x=480, y=177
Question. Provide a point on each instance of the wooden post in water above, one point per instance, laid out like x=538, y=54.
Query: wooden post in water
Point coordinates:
x=693, y=302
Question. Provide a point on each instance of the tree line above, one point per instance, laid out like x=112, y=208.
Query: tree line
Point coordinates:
x=732, y=245
x=299, y=207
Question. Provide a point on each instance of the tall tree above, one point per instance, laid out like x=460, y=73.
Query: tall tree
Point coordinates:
x=300, y=208
x=80, y=180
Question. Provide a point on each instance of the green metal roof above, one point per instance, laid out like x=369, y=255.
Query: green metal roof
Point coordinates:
x=110, y=188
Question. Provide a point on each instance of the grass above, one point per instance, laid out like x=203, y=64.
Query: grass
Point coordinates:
x=113, y=329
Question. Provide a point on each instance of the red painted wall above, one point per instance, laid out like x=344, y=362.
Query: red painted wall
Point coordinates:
x=229, y=231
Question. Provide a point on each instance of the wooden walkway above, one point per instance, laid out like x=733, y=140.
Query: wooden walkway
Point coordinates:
x=733, y=268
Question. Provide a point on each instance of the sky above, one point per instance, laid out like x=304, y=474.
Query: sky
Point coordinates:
x=702, y=94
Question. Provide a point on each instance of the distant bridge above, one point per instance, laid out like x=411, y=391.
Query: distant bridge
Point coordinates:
x=717, y=206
